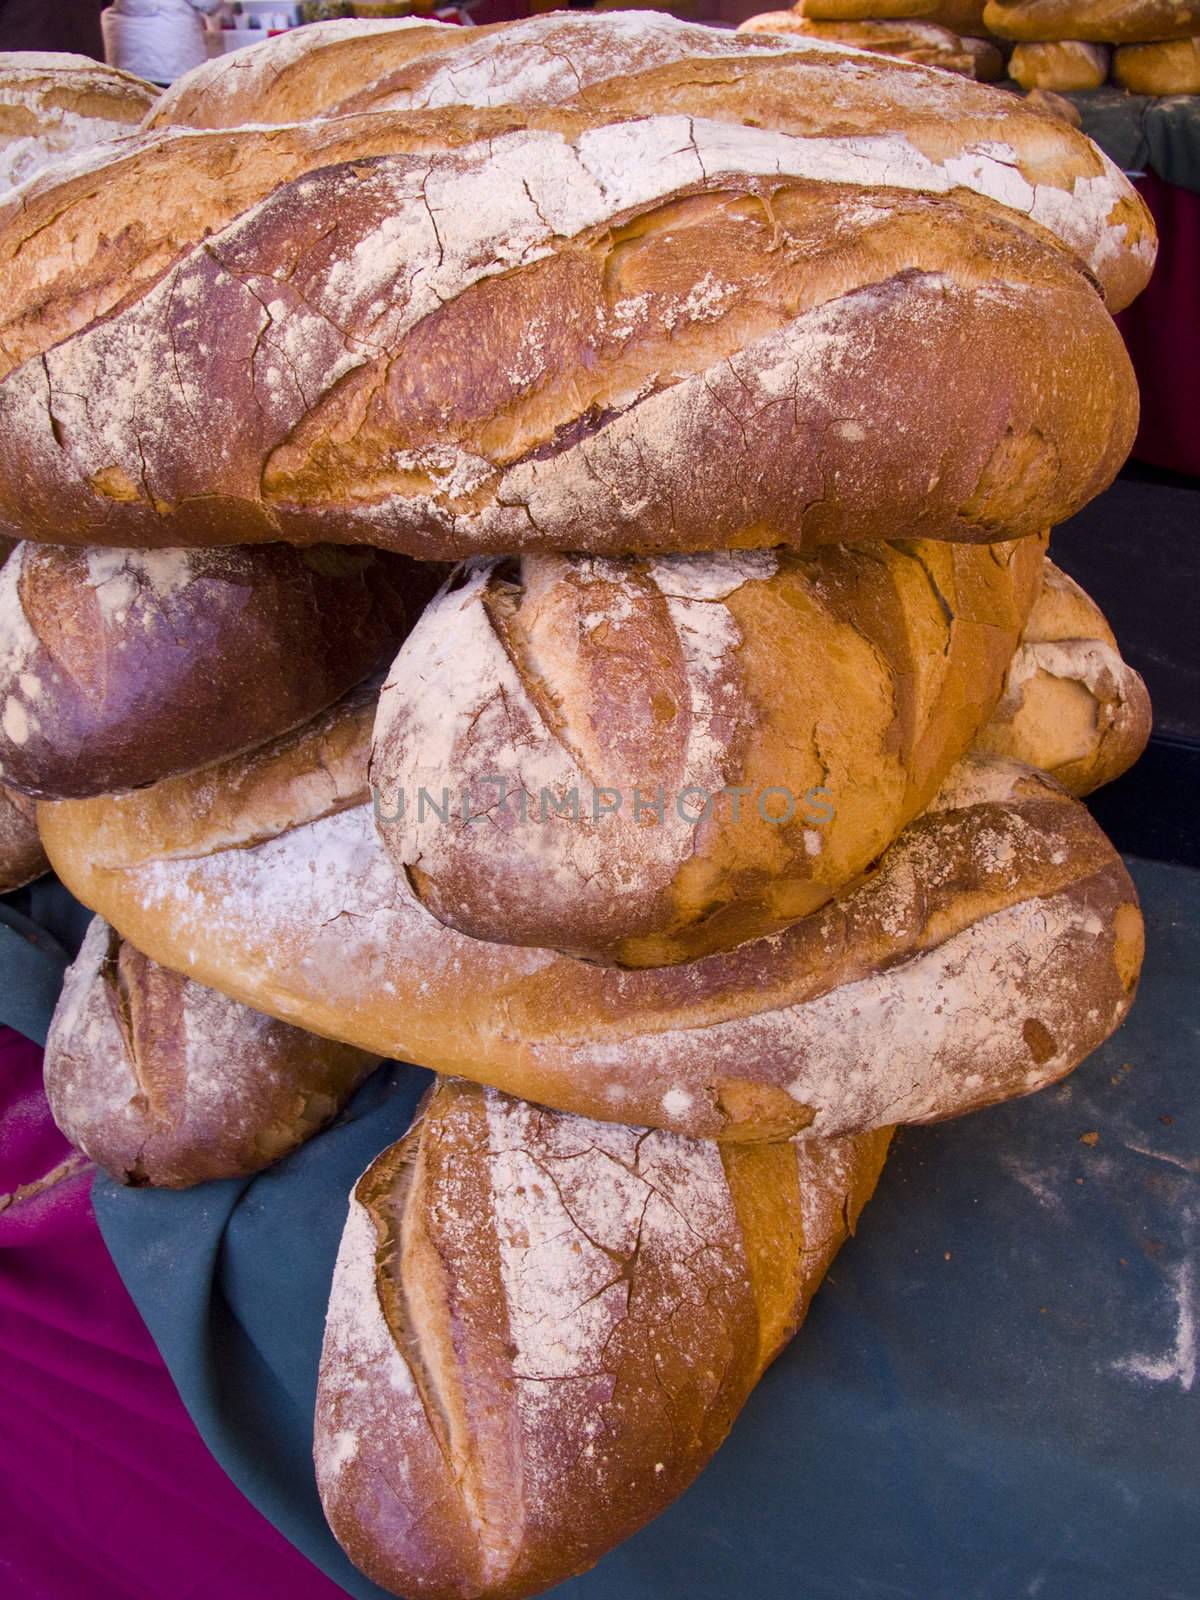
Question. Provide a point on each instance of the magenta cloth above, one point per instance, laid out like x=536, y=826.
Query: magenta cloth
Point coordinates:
x=106, y=1490
x=1162, y=332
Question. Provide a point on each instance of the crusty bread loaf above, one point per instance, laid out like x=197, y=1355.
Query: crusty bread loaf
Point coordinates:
x=996, y=944
x=22, y=857
x=961, y=16
x=1166, y=68
x=542, y=1327
x=1102, y=21
x=900, y=39
x=119, y=667
x=54, y=105
x=162, y=1081
x=716, y=360
x=634, y=65
x=1066, y=64
x=665, y=758
x=65, y=266
x=1071, y=705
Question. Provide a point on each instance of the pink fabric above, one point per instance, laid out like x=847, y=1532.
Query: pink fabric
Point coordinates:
x=107, y=1491
x=1162, y=332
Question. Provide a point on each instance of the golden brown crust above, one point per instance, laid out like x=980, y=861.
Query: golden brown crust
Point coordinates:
x=752, y=350
x=591, y=711
x=901, y=39
x=1168, y=68
x=997, y=943
x=119, y=667
x=1103, y=21
x=163, y=1082
x=22, y=857
x=631, y=65
x=533, y=1314
x=1070, y=706
x=961, y=16
x=53, y=105
x=1068, y=64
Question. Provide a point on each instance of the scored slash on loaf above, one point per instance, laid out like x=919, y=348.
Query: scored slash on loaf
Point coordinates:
x=541, y=1328
x=534, y=676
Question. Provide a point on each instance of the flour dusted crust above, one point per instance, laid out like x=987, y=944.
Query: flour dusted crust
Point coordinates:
x=1070, y=706
x=54, y=105
x=1069, y=64
x=629, y=65
x=751, y=346
x=162, y=1081
x=997, y=943
x=575, y=699
x=1168, y=68
x=1102, y=21
x=118, y=667
x=541, y=1327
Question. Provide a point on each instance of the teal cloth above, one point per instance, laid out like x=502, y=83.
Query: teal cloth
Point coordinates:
x=1143, y=133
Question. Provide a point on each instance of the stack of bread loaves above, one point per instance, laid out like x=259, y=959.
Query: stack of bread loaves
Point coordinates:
x=1151, y=46
x=718, y=811
x=937, y=33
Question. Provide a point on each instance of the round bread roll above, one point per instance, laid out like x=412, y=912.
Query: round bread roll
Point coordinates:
x=1169, y=68
x=1065, y=65
x=643, y=762
x=161, y=1081
x=119, y=667
x=22, y=858
x=1070, y=705
x=1102, y=21
x=629, y=65
x=682, y=353
x=54, y=105
x=541, y=1328
x=998, y=942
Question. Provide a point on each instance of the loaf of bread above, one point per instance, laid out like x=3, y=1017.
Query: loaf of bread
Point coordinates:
x=934, y=131
x=119, y=667
x=541, y=1328
x=1167, y=68
x=901, y=39
x=961, y=16
x=680, y=354
x=162, y=1081
x=64, y=266
x=644, y=761
x=53, y=106
x=1067, y=64
x=997, y=943
x=1071, y=705
x=1102, y=21
x=22, y=858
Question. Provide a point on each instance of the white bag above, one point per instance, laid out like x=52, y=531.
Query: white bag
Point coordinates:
x=156, y=39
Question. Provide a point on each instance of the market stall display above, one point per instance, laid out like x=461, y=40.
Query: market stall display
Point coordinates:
x=745, y=375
